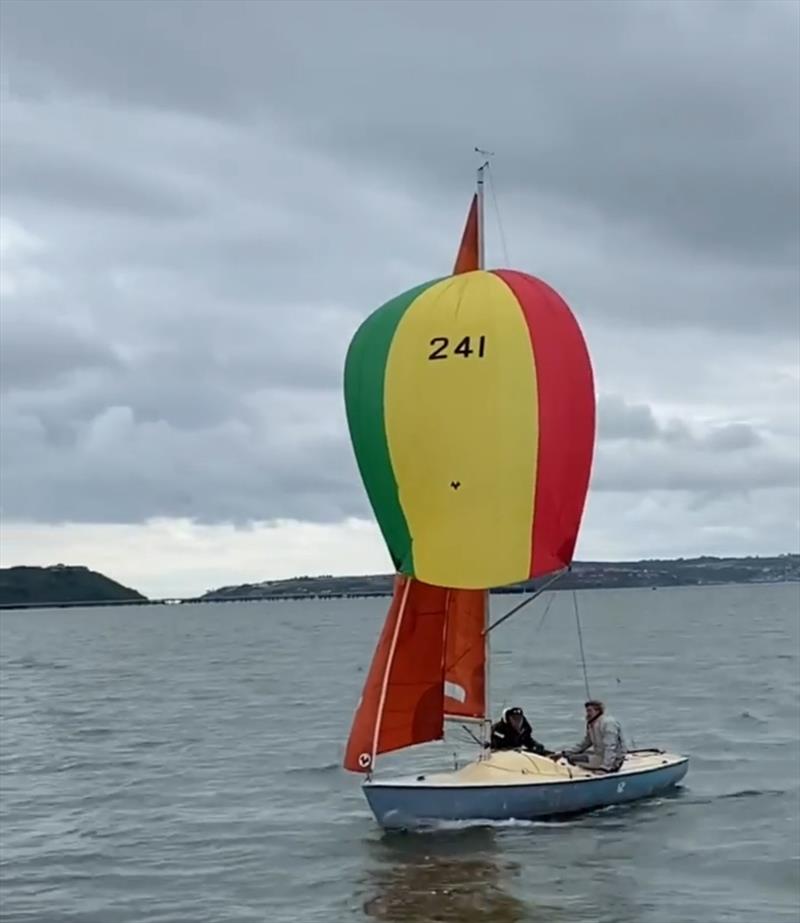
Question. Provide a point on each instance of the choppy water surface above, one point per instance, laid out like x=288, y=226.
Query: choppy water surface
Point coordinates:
x=182, y=764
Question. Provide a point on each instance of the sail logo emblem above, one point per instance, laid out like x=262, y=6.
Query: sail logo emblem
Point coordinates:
x=364, y=759
x=620, y=788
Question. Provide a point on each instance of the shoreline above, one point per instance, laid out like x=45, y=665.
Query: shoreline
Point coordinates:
x=378, y=594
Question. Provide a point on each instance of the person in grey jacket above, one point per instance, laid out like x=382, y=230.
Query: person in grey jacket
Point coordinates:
x=603, y=747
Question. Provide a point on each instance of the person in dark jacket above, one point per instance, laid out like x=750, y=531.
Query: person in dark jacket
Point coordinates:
x=513, y=732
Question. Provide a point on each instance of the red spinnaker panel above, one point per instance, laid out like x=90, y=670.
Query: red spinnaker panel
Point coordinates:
x=566, y=420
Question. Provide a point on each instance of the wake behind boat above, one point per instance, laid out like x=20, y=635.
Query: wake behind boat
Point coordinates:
x=471, y=408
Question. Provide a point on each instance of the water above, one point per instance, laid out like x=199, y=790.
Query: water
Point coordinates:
x=181, y=765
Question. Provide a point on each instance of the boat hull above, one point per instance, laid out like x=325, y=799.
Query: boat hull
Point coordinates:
x=521, y=795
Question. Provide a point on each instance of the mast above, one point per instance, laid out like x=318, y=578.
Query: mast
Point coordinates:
x=481, y=245
x=485, y=725
x=485, y=155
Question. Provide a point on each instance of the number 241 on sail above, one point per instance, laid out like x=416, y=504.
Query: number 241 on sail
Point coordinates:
x=464, y=348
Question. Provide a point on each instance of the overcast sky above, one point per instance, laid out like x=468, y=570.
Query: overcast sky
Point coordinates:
x=201, y=202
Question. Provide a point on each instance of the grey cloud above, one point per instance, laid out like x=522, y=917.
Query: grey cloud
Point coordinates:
x=35, y=354
x=637, y=453
x=117, y=468
x=699, y=464
x=269, y=219
x=185, y=373
x=674, y=524
x=282, y=453
x=87, y=44
x=670, y=117
x=620, y=420
x=733, y=437
x=676, y=432
x=79, y=182
x=224, y=191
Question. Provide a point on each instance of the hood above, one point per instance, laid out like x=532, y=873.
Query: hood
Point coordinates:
x=504, y=715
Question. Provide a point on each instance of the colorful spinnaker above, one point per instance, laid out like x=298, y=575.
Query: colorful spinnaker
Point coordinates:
x=470, y=404
x=471, y=412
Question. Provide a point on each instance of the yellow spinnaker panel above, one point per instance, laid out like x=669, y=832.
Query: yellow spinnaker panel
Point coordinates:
x=462, y=430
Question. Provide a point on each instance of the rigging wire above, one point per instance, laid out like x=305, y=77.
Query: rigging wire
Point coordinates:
x=580, y=643
x=544, y=614
x=474, y=737
x=500, y=228
x=525, y=602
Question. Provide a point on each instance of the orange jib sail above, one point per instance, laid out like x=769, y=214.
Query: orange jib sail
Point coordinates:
x=429, y=664
x=465, y=654
x=403, y=699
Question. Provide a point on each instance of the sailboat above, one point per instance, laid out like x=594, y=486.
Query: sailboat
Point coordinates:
x=471, y=410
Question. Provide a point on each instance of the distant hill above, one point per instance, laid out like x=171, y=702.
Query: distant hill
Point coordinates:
x=61, y=585
x=584, y=575
x=31, y=586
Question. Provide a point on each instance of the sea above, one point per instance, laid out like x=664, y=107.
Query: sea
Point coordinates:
x=182, y=764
